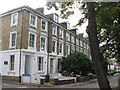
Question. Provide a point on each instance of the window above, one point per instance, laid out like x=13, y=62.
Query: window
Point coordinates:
x=72, y=39
x=60, y=47
x=72, y=50
x=55, y=18
x=13, y=36
x=59, y=65
x=12, y=61
x=77, y=41
x=33, y=20
x=81, y=43
x=87, y=46
x=53, y=46
x=44, y=25
x=68, y=25
x=61, y=33
x=67, y=50
x=43, y=43
x=67, y=37
x=40, y=63
x=32, y=40
x=81, y=49
x=14, y=19
x=77, y=49
x=54, y=29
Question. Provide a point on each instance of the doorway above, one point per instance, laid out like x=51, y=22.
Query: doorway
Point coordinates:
x=51, y=65
x=27, y=64
x=59, y=65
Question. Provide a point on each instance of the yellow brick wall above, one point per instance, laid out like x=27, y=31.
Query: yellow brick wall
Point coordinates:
x=0, y=33
x=6, y=29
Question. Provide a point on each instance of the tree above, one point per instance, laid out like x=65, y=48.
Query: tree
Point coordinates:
x=94, y=43
x=94, y=48
x=77, y=62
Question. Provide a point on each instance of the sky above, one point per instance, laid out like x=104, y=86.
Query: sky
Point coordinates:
x=7, y=5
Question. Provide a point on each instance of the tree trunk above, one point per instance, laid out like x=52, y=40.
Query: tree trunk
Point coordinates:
x=94, y=47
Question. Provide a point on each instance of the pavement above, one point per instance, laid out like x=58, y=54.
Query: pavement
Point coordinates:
x=49, y=85
x=46, y=85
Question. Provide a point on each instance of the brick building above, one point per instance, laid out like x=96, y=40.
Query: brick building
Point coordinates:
x=33, y=43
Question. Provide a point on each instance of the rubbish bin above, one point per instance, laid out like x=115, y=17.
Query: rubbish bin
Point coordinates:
x=78, y=77
x=25, y=78
x=47, y=78
x=42, y=80
x=55, y=81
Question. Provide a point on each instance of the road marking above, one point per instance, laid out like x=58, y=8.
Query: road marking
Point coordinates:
x=22, y=87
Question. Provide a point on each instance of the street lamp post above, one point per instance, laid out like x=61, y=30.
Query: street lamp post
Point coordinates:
x=21, y=49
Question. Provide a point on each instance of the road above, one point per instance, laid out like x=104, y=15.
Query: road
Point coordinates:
x=113, y=82
x=11, y=85
x=0, y=83
x=91, y=84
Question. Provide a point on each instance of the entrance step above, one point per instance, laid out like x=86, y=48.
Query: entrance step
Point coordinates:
x=59, y=79
x=64, y=80
x=57, y=75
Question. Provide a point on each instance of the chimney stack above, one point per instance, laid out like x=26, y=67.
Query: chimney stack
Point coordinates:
x=74, y=30
x=66, y=25
x=81, y=34
x=41, y=10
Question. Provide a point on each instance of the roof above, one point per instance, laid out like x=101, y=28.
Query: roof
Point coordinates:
x=34, y=11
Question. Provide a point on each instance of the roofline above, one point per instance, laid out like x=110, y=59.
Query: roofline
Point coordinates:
x=35, y=12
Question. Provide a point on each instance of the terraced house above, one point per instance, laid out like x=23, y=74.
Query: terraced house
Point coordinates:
x=33, y=43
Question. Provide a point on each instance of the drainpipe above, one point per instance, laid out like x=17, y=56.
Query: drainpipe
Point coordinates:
x=47, y=75
x=21, y=49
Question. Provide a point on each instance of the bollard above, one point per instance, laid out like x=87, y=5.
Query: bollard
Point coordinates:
x=78, y=78
x=55, y=80
x=119, y=81
x=42, y=80
x=47, y=78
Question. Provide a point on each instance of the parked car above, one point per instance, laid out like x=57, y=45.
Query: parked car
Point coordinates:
x=117, y=71
x=110, y=72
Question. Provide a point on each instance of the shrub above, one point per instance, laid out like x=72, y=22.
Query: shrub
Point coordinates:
x=78, y=63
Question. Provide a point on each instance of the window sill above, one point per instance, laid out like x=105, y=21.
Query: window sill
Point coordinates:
x=43, y=30
x=12, y=47
x=40, y=72
x=54, y=53
x=54, y=34
x=13, y=25
x=33, y=25
x=61, y=54
x=11, y=72
x=43, y=51
x=32, y=48
x=61, y=36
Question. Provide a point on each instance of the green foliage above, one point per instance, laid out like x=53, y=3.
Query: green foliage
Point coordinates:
x=108, y=27
x=109, y=70
x=77, y=62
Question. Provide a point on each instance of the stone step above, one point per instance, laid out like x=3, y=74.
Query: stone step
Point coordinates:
x=64, y=80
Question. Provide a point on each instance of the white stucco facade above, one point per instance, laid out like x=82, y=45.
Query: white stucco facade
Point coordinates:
x=29, y=62
x=0, y=63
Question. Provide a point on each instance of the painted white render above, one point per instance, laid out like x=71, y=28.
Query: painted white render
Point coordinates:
x=29, y=63
x=0, y=63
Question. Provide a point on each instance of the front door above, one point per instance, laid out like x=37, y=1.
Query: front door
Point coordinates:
x=51, y=65
x=27, y=64
x=59, y=65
